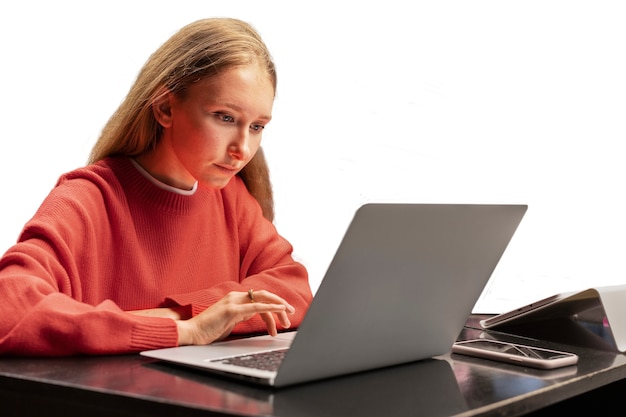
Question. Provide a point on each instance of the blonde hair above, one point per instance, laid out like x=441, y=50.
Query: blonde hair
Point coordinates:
x=198, y=51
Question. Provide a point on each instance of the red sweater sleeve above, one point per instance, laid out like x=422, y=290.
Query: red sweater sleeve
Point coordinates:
x=38, y=319
x=57, y=283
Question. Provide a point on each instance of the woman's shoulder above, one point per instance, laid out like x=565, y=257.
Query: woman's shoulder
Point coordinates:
x=236, y=190
x=81, y=195
x=100, y=171
x=91, y=181
x=236, y=198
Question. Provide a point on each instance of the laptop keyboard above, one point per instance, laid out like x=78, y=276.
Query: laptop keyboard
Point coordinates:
x=268, y=361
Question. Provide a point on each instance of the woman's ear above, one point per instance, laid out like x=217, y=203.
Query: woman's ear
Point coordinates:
x=162, y=108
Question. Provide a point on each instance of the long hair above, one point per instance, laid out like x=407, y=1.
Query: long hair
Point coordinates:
x=196, y=52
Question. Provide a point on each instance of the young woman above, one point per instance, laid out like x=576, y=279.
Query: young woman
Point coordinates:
x=166, y=237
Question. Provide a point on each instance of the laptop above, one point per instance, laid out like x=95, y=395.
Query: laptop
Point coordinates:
x=399, y=289
x=527, y=310
x=598, y=311
x=564, y=304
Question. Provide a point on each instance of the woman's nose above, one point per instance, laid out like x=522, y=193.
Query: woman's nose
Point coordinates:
x=240, y=146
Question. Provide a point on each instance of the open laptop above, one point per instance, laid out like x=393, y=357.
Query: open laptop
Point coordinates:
x=399, y=288
x=528, y=310
x=600, y=311
x=565, y=304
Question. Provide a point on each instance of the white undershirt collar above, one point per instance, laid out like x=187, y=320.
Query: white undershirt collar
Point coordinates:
x=163, y=185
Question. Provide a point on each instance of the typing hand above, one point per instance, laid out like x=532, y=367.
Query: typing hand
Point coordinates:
x=217, y=321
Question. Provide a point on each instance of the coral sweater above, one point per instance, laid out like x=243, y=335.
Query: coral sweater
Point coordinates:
x=108, y=240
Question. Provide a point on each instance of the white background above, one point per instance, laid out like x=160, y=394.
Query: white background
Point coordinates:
x=426, y=101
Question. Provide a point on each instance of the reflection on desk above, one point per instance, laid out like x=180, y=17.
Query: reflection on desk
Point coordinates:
x=510, y=381
x=429, y=386
x=147, y=387
x=449, y=385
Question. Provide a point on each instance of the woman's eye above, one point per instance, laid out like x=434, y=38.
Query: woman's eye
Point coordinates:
x=257, y=127
x=225, y=118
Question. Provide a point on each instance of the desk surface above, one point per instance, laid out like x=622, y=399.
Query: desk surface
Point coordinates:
x=450, y=385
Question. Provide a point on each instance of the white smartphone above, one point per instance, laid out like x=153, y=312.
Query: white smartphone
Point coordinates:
x=515, y=353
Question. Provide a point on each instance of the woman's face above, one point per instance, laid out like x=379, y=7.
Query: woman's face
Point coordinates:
x=214, y=131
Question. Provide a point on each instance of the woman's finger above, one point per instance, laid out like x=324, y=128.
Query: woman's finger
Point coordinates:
x=267, y=312
x=283, y=319
x=270, y=323
x=267, y=297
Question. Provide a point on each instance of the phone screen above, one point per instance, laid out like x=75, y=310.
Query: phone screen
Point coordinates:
x=517, y=350
x=515, y=353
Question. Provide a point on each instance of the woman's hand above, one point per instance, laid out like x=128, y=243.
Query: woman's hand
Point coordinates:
x=217, y=321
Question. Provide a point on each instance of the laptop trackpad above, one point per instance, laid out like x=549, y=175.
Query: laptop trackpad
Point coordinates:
x=250, y=345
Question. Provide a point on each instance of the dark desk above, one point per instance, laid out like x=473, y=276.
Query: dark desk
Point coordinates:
x=451, y=385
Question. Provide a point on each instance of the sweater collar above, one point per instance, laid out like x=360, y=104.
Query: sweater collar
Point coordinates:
x=138, y=187
x=161, y=184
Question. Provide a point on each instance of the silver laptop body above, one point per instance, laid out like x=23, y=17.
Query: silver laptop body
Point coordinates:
x=400, y=287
